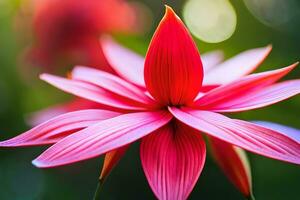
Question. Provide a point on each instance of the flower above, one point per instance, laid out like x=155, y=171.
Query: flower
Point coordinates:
x=168, y=110
x=69, y=30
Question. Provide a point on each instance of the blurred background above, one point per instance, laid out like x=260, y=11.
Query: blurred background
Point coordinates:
x=50, y=36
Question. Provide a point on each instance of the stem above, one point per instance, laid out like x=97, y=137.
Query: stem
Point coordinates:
x=97, y=192
x=251, y=197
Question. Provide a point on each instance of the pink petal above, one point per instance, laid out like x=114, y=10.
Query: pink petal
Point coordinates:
x=102, y=137
x=111, y=160
x=126, y=63
x=234, y=163
x=91, y=92
x=261, y=98
x=173, y=158
x=286, y=130
x=111, y=83
x=243, y=134
x=130, y=65
x=241, y=87
x=41, y=116
x=211, y=59
x=205, y=89
x=236, y=67
x=173, y=70
x=59, y=127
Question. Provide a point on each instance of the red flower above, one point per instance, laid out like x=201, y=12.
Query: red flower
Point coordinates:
x=68, y=31
x=168, y=112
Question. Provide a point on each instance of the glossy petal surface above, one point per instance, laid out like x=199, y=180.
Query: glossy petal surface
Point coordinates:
x=286, y=130
x=92, y=92
x=59, y=127
x=241, y=88
x=173, y=70
x=243, y=134
x=261, y=98
x=172, y=159
x=111, y=83
x=102, y=137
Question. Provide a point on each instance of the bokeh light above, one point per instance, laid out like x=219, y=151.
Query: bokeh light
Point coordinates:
x=210, y=20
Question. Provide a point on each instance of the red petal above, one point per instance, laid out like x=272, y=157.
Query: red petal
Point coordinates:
x=102, y=137
x=241, y=87
x=173, y=69
x=59, y=127
x=243, y=134
x=111, y=160
x=172, y=159
x=234, y=163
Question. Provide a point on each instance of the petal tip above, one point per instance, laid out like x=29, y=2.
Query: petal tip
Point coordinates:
x=292, y=66
x=9, y=143
x=41, y=76
x=296, y=63
x=289, y=68
x=169, y=12
x=269, y=48
x=38, y=164
x=162, y=64
x=44, y=76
